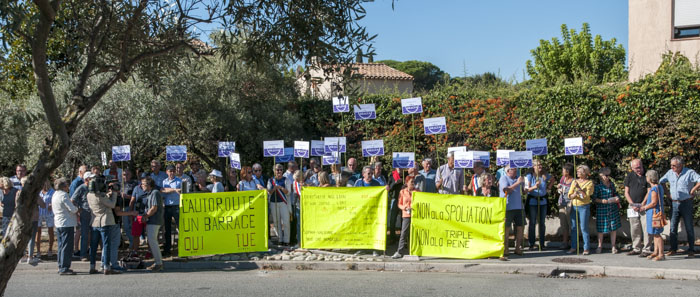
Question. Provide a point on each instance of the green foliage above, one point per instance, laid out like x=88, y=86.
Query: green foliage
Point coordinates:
x=578, y=56
x=425, y=74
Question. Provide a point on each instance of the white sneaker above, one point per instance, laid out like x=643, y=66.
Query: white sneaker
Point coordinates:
x=397, y=255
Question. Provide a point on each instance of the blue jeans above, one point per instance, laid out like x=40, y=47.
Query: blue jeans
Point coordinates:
x=103, y=233
x=85, y=230
x=65, y=247
x=584, y=213
x=115, y=239
x=171, y=212
x=682, y=210
x=532, y=223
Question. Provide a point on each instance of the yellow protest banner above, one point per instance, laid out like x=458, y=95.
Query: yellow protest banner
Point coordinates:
x=457, y=226
x=222, y=223
x=343, y=218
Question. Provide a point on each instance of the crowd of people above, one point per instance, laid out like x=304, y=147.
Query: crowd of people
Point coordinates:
x=100, y=207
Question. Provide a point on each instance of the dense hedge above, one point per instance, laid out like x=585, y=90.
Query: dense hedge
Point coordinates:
x=652, y=119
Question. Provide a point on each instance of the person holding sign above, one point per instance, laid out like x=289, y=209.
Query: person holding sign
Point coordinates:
x=607, y=209
x=429, y=174
x=405, y=205
x=279, y=204
x=216, y=185
x=655, y=205
x=311, y=175
x=536, y=185
x=580, y=195
x=449, y=180
x=567, y=177
x=510, y=187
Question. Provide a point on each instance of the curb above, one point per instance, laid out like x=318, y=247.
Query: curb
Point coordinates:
x=529, y=269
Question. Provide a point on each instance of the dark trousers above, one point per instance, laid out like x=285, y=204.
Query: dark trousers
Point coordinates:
x=95, y=240
x=171, y=212
x=405, y=234
x=682, y=210
x=394, y=212
x=65, y=247
x=85, y=230
x=533, y=222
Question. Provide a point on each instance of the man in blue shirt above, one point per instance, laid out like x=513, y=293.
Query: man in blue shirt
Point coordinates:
x=683, y=184
x=157, y=175
x=510, y=187
x=378, y=176
x=78, y=180
x=367, y=180
x=429, y=174
x=171, y=189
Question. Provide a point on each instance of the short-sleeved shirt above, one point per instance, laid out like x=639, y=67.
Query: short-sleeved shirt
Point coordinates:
x=17, y=182
x=44, y=211
x=362, y=183
x=216, y=187
x=381, y=180
x=159, y=178
x=452, y=179
x=278, y=196
x=429, y=181
x=637, y=185
x=80, y=197
x=172, y=198
x=74, y=185
x=140, y=196
x=515, y=200
x=541, y=191
x=680, y=185
x=247, y=185
x=155, y=199
x=9, y=202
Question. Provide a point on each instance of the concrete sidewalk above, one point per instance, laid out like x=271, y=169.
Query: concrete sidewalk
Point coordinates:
x=548, y=263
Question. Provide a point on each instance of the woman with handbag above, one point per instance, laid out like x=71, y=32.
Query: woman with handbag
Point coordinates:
x=656, y=220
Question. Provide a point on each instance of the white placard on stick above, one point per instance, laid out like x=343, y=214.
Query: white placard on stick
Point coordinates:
x=372, y=148
x=272, y=148
x=537, y=146
x=301, y=149
x=341, y=104
x=521, y=159
x=412, y=105
x=464, y=159
x=403, y=160
x=333, y=144
x=573, y=146
x=317, y=149
x=235, y=160
x=502, y=157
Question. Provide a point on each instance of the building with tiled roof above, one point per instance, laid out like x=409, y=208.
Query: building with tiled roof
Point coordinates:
x=367, y=78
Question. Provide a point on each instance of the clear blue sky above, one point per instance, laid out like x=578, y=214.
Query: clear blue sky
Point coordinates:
x=484, y=36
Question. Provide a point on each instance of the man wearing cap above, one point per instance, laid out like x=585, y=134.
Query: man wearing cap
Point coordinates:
x=171, y=189
x=79, y=198
x=216, y=185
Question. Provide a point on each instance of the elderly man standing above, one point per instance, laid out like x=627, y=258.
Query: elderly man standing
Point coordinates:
x=157, y=174
x=352, y=169
x=171, y=190
x=683, y=183
x=429, y=174
x=79, y=198
x=636, y=187
x=449, y=180
x=65, y=219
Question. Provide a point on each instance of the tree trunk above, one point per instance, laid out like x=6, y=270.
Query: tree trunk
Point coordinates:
x=18, y=233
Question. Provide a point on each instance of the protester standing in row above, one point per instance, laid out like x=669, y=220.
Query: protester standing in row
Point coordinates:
x=683, y=184
x=655, y=204
x=46, y=216
x=101, y=204
x=247, y=183
x=429, y=174
x=216, y=186
x=9, y=196
x=510, y=187
x=171, y=190
x=79, y=198
x=580, y=193
x=65, y=220
x=488, y=186
x=405, y=199
x=474, y=185
x=537, y=185
x=607, y=209
x=449, y=180
x=154, y=218
x=636, y=188
x=564, y=204
x=279, y=204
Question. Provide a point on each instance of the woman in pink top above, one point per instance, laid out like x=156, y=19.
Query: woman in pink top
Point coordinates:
x=405, y=197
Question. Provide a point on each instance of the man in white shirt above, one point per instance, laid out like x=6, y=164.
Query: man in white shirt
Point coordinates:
x=65, y=220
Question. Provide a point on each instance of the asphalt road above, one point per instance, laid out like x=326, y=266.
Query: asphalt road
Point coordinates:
x=333, y=283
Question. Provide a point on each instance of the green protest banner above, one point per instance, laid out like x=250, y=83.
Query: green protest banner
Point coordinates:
x=222, y=223
x=343, y=218
x=457, y=226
